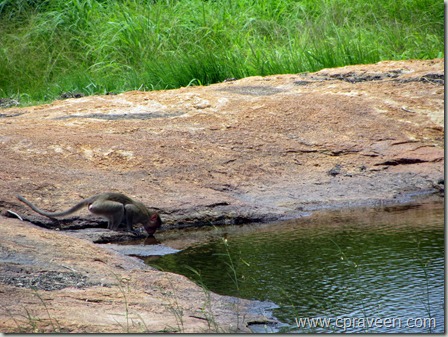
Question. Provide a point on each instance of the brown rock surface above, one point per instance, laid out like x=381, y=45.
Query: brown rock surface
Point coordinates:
x=255, y=149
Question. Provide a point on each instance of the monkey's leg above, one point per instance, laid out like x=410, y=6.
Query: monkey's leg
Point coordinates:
x=132, y=212
x=112, y=210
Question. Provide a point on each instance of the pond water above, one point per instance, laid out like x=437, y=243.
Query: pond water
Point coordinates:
x=372, y=270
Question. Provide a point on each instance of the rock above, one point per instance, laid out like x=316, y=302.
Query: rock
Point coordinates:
x=258, y=148
x=7, y=103
x=54, y=282
x=335, y=170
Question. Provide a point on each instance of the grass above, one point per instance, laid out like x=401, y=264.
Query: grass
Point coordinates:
x=29, y=323
x=206, y=311
x=49, y=47
x=133, y=322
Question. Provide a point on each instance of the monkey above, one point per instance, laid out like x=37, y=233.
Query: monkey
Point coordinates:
x=112, y=206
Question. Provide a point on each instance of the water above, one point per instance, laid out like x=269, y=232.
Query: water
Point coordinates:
x=367, y=271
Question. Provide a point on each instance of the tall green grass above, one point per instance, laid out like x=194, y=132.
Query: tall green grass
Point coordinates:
x=48, y=47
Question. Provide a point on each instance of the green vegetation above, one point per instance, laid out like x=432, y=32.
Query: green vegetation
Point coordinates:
x=48, y=47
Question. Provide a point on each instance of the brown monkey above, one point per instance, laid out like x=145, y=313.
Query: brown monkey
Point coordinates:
x=113, y=206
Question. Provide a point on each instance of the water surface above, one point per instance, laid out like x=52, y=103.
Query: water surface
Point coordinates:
x=373, y=270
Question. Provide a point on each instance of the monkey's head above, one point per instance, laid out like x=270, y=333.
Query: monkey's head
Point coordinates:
x=153, y=224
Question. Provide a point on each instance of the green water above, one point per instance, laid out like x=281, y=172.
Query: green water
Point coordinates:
x=374, y=270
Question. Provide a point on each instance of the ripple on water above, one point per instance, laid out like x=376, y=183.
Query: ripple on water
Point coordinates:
x=371, y=266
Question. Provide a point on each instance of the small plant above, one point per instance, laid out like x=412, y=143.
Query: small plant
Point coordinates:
x=234, y=275
x=174, y=307
x=33, y=324
x=206, y=310
x=131, y=325
x=427, y=291
x=123, y=285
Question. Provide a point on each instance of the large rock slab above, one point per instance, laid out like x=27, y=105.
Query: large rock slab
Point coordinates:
x=255, y=149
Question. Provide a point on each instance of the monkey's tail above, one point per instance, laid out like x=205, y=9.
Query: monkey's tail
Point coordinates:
x=75, y=208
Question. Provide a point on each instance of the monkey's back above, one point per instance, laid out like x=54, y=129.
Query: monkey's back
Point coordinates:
x=118, y=197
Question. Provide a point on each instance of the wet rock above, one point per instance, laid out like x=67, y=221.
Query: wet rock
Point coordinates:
x=100, y=235
x=141, y=249
x=253, y=90
x=71, y=94
x=439, y=185
x=335, y=170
